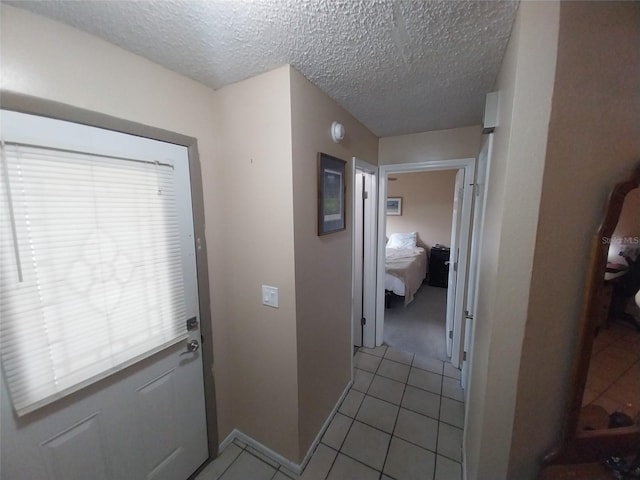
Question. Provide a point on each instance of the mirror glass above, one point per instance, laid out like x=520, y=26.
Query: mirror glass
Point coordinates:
x=612, y=391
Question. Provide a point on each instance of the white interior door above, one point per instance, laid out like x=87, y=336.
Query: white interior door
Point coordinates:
x=459, y=264
x=147, y=421
x=480, y=201
x=364, y=254
x=458, y=193
x=369, y=277
x=358, y=258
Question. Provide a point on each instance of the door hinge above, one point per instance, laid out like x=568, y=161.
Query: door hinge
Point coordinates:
x=450, y=334
x=363, y=321
x=365, y=194
x=464, y=356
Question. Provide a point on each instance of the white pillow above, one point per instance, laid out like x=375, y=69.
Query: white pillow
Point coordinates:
x=402, y=240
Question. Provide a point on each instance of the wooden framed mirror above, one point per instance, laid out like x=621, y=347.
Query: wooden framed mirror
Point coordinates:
x=603, y=407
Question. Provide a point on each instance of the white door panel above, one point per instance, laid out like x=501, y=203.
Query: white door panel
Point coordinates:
x=61, y=452
x=369, y=276
x=453, y=260
x=462, y=265
x=364, y=253
x=358, y=257
x=479, y=208
x=144, y=422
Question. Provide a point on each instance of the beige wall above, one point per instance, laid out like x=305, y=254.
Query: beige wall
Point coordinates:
x=594, y=141
x=322, y=264
x=525, y=84
x=427, y=205
x=449, y=144
x=255, y=167
x=48, y=60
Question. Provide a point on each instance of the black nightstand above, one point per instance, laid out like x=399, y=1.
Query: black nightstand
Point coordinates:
x=439, y=266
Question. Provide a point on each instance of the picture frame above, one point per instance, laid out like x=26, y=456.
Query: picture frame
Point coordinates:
x=394, y=205
x=332, y=187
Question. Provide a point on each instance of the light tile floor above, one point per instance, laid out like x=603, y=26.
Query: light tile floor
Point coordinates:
x=613, y=381
x=402, y=419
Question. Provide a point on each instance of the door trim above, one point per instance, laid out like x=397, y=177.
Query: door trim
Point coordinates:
x=48, y=108
x=466, y=164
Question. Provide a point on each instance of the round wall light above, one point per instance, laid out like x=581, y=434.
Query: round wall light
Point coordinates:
x=337, y=132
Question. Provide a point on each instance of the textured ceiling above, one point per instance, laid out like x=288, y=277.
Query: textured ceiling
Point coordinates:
x=400, y=66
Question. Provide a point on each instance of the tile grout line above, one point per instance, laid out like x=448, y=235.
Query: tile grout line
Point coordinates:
x=355, y=460
x=261, y=459
x=365, y=396
x=395, y=423
x=353, y=420
x=242, y=449
x=435, y=463
x=343, y=440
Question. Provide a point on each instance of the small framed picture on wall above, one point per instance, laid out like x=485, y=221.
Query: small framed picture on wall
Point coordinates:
x=394, y=205
x=331, y=194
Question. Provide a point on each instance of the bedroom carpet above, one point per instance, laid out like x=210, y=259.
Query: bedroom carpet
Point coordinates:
x=419, y=327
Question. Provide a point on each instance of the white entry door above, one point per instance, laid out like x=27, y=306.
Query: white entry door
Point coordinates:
x=141, y=419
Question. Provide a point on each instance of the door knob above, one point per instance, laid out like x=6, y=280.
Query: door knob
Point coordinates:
x=192, y=346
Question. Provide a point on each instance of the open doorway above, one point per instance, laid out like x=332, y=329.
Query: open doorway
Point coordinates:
x=368, y=330
x=459, y=253
x=416, y=277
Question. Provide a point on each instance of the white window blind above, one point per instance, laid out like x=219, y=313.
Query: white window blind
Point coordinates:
x=91, y=276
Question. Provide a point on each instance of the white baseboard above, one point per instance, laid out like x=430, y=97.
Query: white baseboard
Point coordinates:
x=275, y=456
x=271, y=454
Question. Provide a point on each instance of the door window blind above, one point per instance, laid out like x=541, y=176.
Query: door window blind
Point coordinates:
x=91, y=274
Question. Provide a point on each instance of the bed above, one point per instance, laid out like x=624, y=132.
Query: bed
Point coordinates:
x=405, y=266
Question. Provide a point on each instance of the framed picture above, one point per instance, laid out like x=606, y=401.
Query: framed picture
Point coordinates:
x=331, y=194
x=394, y=205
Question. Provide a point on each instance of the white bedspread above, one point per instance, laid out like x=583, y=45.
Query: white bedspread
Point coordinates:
x=405, y=269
